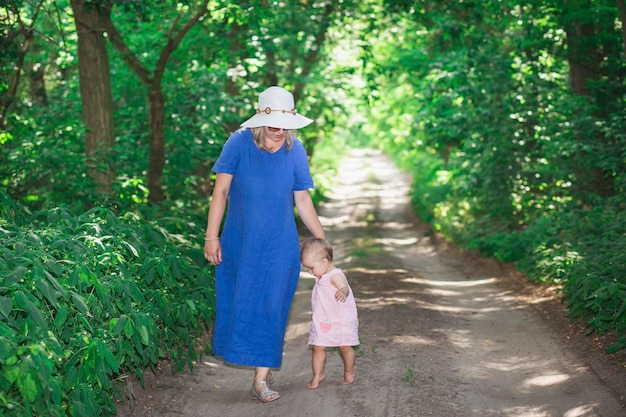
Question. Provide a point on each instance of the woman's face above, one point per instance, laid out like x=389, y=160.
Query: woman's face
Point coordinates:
x=274, y=134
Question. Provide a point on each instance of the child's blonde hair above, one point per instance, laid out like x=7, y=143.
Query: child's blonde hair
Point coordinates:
x=320, y=247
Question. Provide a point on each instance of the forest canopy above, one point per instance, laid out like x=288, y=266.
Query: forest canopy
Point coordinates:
x=509, y=115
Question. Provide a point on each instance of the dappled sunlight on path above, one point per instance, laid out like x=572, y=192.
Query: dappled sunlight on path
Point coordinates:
x=448, y=326
x=443, y=333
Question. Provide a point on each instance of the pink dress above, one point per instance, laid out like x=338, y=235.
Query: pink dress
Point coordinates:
x=334, y=323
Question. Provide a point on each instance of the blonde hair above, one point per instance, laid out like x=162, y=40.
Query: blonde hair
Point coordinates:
x=259, y=138
x=320, y=247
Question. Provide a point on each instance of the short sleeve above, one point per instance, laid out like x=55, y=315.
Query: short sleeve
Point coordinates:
x=302, y=173
x=228, y=161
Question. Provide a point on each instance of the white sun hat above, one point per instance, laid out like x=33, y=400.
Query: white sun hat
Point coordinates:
x=277, y=109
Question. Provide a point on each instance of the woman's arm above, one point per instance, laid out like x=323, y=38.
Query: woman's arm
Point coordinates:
x=212, y=247
x=307, y=213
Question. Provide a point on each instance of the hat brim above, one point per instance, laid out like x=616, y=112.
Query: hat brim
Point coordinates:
x=279, y=120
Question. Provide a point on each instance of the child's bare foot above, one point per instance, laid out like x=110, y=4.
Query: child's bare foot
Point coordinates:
x=315, y=382
x=348, y=376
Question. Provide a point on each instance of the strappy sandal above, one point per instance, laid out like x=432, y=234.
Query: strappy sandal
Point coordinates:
x=267, y=392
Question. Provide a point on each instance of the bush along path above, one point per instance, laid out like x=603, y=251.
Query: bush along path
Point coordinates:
x=86, y=301
x=443, y=333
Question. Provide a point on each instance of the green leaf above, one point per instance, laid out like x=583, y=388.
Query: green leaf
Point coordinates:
x=175, y=268
x=620, y=344
x=55, y=283
x=79, y=302
x=70, y=374
x=54, y=266
x=22, y=301
x=11, y=373
x=105, y=352
x=7, y=348
x=28, y=388
x=128, y=328
x=149, y=276
x=39, y=319
x=83, y=319
x=84, y=274
x=103, y=377
x=58, y=243
x=61, y=316
x=6, y=305
x=132, y=249
x=47, y=292
x=117, y=325
x=17, y=276
x=148, y=264
x=143, y=332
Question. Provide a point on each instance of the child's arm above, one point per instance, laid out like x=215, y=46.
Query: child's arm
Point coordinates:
x=341, y=283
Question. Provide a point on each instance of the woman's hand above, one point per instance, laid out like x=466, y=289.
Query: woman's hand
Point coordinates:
x=212, y=246
x=213, y=251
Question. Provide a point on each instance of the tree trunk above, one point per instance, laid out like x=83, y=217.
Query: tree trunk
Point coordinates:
x=95, y=90
x=36, y=78
x=7, y=99
x=583, y=56
x=156, y=120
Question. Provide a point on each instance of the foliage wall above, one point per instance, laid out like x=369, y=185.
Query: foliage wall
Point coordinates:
x=89, y=300
x=511, y=116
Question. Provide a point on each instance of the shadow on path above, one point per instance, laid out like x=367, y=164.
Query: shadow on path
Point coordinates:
x=442, y=333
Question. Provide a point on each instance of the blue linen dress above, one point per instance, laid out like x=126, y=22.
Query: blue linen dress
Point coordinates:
x=256, y=281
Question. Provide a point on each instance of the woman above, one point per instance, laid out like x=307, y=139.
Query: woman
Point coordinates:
x=262, y=171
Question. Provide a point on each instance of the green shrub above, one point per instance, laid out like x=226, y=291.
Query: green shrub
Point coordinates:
x=596, y=286
x=85, y=299
x=582, y=248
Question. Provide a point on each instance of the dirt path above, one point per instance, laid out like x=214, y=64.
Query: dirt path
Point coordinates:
x=443, y=333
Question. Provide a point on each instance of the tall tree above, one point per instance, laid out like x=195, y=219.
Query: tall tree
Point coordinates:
x=95, y=89
x=593, y=53
x=16, y=39
x=152, y=79
x=583, y=51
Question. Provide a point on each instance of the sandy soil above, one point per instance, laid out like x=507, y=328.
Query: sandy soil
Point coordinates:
x=444, y=333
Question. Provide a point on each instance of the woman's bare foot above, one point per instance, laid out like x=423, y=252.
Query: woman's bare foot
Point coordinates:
x=348, y=376
x=315, y=382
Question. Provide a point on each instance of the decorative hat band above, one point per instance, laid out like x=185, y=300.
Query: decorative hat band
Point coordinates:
x=273, y=110
x=268, y=110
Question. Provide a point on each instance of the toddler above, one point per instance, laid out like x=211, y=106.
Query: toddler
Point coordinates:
x=334, y=320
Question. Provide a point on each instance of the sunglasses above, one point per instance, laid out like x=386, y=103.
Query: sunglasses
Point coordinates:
x=276, y=129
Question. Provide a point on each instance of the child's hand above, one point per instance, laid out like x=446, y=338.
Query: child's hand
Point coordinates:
x=341, y=294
